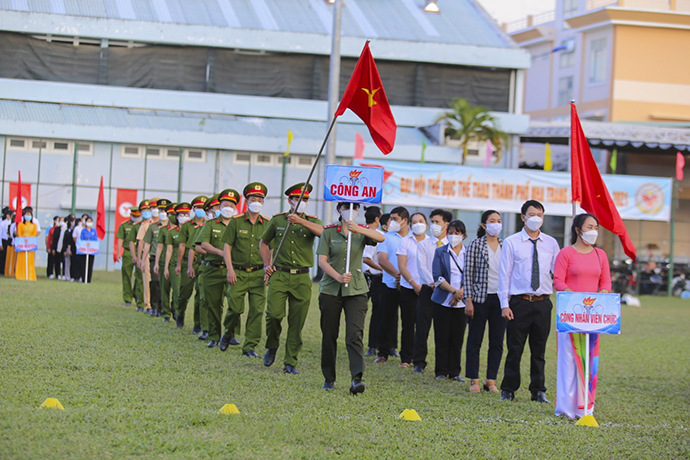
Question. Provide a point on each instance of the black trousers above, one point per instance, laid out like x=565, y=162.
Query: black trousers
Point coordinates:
x=532, y=321
x=50, y=266
x=388, y=328
x=58, y=263
x=3, y=255
x=375, y=284
x=355, y=308
x=408, y=316
x=79, y=265
x=487, y=311
x=425, y=315
x=449, y=330
x=155, y=286
x=87, y=275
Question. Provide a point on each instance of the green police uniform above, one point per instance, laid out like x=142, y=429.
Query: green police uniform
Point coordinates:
x=187, y=284
x=138, y=274
x=164, y=282
x=335, y=297
x=151, y=237
x=244, y=238
x=199, y=268
x=127, y=267
x=173, y=246
x=291, y=282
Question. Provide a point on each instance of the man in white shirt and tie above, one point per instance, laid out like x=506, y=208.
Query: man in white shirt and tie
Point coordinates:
x=440, y=218
x=524, y=287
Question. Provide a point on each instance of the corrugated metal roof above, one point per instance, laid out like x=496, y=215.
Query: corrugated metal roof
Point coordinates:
x=185, y=121
x=460, y=21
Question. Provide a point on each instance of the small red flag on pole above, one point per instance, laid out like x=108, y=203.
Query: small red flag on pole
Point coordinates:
x=366, y=97
x=18, y=202
x=588, y=187
x=100, y=213
x=680, y=164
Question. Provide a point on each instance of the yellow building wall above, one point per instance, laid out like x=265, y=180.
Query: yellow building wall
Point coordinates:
x=651, y=76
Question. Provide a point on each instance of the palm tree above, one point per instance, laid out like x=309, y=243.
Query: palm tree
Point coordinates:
x=472, y=123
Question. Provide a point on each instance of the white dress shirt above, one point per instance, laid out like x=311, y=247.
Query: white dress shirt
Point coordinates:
x=409, y=248
x=455, y=276
x=494, y=262
x=5, y=229
x=370, y=252
x=515, y=271
x=390, y=248
x=425, y=259
x=77, y=231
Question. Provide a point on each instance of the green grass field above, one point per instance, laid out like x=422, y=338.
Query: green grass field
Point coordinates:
x=134, y=386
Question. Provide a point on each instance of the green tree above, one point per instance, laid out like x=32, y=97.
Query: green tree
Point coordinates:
x=472, y=123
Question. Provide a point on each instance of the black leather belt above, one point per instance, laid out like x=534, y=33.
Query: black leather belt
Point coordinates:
x=293, y=271
x=248, y=269
x=214, y=264
x=532, y=298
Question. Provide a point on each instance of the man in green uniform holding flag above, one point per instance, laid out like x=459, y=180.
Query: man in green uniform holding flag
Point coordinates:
x=289, y=275
x=125, y=256
x=171, y=256
x=211, y=207
x=216, y=272
x=245, y=270
x=185, y=239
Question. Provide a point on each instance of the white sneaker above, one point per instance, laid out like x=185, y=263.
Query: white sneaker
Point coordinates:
x=71, y=280
x=51, y=277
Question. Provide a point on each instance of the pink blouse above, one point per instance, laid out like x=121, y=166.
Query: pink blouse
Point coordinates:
x=582, y=272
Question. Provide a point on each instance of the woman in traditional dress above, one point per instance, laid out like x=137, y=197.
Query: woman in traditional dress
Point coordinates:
x=25, y=269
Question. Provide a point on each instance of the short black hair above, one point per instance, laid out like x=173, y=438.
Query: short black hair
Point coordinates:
x=402, y=212
x=446, y=215
x=371, y=213
x=458, y=226
x=383, y=220
x=55, y=218
x=578, y=222
x=419, y=214
x=533, y=204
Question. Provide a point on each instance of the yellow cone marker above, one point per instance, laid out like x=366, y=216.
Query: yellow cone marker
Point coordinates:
x=410, y=415
x=229, y=409
x=51, y=403
x=587, y=420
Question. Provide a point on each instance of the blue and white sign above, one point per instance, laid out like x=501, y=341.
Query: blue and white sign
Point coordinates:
x=353, y=184
x=588, y=312
x=25, y=243
x=88, y=247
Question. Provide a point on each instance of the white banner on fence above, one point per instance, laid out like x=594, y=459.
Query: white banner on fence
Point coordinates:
x=469, y=188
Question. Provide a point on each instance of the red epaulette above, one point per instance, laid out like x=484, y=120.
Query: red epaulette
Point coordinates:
x=238, y=215
x=331, y=226
x=218, y=220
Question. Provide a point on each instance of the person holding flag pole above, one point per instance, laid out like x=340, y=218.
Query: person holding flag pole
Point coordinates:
x=366, y=97
x=576, y=270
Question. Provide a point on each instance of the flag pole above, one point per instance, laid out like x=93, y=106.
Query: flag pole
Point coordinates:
x=301, y=196
x=349, y=245
x=673, y=236
x=86, y=278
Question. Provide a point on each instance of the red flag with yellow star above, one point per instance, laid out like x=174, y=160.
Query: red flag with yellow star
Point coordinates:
x=366, y=97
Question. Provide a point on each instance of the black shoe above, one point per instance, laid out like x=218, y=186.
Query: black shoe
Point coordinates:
x=457, y=378
x=212, y=344
x=233, y=341
x=370, y=352
x=224, y=344
x=166, y=320
x=128, y=304
x=180, y=323
x=251, y=354
x=440, y=377
x=270, y=357
x=196, y=330
x=418, y=370
x=540, y=396
x=357, y=387
x=203, y=336
x=394, y=352
x=507, y=395
x=328, y=386
x=158, y=314
x=139, y=309
x=290, y=369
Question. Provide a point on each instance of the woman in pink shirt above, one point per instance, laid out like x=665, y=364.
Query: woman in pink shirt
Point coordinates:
x=580, y=268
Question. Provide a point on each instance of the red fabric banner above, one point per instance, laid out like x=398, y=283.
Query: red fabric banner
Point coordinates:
x=100, y=213
x=25, y=195
x=126, y=199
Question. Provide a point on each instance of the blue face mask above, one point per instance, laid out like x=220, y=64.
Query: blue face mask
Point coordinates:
x=146, y=214
x=217, y=213
x=199, y=213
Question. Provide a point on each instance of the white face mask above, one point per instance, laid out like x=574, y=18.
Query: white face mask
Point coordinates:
x=136, y=219
x=534, y=223
x=163, y=215
x=494, y=229
x=89, y=224
x=455, y=240
x=210, y=215
x=437, y=230
x=256, y=207
x=227, y=212
x=345, y=214
x=419, y=228
x=393, y=226
x=155, y=212
x=590, y=237
x=302, y=206
x=182, y=219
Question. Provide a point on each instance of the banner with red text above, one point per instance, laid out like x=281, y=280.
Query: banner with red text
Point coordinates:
x=470, y=188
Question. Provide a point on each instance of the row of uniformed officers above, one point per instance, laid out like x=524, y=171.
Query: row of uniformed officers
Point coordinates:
x=169, y=251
